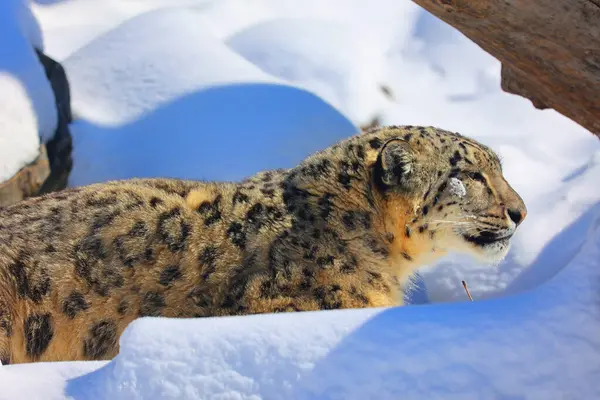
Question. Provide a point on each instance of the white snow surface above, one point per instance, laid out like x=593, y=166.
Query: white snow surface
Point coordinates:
x=19, y=140
x=91, y=18
x=334, y=59
x=157, y=84
x=146, y=63
x=27, y=109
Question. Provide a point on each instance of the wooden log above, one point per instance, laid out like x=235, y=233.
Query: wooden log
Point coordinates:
x=549, y=49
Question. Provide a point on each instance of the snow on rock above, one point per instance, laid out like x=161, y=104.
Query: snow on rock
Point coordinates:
x=19, y=140
x=540, y=344
x=27, y=109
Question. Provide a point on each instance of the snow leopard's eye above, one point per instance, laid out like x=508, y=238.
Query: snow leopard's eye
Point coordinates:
x=476, y=176
x=481, y=179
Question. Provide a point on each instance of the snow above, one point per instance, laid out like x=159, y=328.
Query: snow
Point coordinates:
x=196, y=124
x=456, y=187
x=163, y=87
x=157, y=84
x=343, y=65
x=27, y=108
x=89, y=19
x=19, y=140
x=115, y=79
x=41, y=381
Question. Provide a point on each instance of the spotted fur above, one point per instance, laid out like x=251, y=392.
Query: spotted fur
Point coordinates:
x=345, y=228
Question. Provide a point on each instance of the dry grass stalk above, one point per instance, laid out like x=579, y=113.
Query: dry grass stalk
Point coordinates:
x=467, y=290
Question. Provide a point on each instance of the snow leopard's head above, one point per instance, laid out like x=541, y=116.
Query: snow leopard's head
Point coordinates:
x=452, y=187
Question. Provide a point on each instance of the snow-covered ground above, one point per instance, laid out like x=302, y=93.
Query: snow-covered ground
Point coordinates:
x=156, y=86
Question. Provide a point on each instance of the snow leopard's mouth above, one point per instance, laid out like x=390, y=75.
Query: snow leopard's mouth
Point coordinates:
x=485, y=238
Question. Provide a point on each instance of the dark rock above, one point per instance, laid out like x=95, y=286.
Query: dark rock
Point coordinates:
x=60, y=146
x=60, y=86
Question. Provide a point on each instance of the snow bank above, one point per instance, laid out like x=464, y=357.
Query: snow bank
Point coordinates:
x=542, y=344
x=174, y=107
x=89, y=19
x=148, y=62
x=41, y=381
x=336, y=60
x=20, y=16
x=27, y=107
x=273, y=126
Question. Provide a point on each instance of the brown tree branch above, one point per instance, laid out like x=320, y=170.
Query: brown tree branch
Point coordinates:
x=549, y=49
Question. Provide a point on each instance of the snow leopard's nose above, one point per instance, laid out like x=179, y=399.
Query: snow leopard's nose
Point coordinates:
x=511, y=204
x=516, y=215
x=515, y=208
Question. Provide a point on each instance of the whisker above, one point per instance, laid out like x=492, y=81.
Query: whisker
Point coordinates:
x=438, y=221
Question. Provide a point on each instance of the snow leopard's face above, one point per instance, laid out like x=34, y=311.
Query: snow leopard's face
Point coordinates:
x=479, y=212
x=458, y=195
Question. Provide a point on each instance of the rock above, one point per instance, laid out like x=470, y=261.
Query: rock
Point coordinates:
x=549, y=49
x=27, y=181
x=60, y=85
x=60, y=146
x=59, y=149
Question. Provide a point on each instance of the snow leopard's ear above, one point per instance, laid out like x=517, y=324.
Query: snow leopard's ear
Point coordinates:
x=395, y=164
